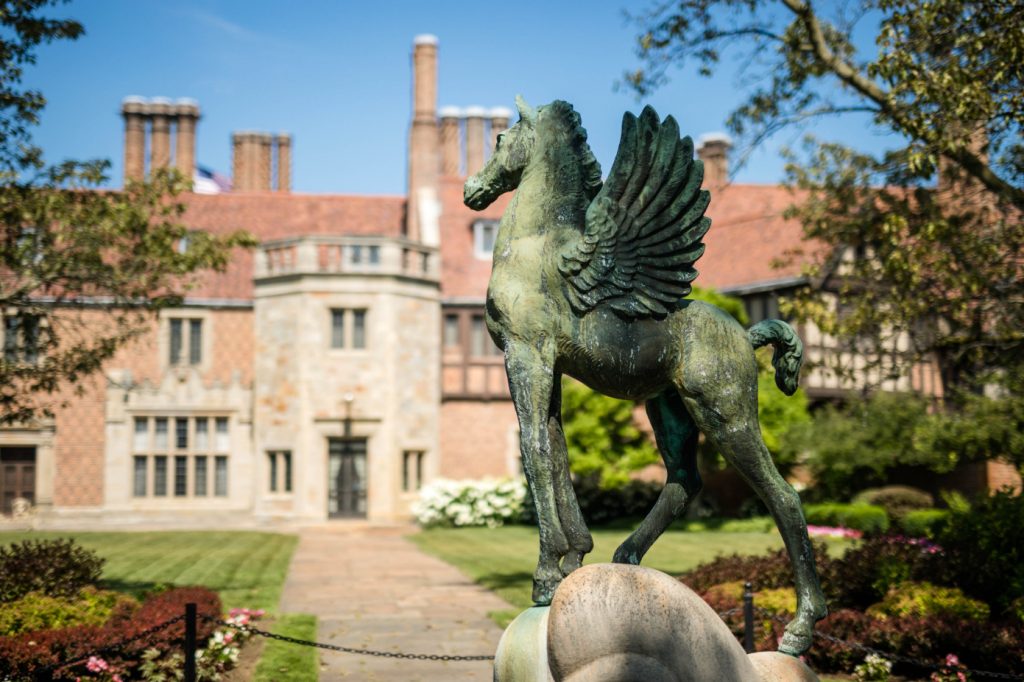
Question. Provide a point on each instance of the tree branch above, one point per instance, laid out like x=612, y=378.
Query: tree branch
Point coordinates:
x=849, y=75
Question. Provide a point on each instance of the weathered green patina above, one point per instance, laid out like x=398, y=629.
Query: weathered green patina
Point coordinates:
x=589, y=280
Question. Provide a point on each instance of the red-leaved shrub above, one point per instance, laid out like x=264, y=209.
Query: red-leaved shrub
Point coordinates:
x=32, y=655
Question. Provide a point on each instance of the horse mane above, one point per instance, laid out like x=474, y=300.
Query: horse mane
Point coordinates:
x=570, y=122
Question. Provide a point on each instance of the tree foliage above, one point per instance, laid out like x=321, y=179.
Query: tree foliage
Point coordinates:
x=604, y=439
x=940, y=267
x=82, y=271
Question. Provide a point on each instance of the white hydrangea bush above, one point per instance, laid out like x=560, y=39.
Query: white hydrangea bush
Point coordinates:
x=485, y=502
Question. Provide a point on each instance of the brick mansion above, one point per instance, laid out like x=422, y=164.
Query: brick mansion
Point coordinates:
x=344, y=362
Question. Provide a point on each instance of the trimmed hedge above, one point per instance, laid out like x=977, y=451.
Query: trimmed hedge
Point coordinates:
x=867, y=518
x=924, y=523
x=897, y=500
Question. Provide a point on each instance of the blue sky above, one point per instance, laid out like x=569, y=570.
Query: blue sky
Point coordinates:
x=336, y=74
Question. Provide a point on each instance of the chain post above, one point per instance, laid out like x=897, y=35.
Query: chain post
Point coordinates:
x=190, y=642
x=748, y=617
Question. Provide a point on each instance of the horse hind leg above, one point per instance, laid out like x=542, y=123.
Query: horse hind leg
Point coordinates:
x=728, y=417
x=677, y=436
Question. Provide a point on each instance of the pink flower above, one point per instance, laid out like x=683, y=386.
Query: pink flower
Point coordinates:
x=229, y=636
x=96, y=665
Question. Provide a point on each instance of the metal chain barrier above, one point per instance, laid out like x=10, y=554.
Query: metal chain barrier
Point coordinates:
x=116, y=646
x=251, y=630
x=348, y=650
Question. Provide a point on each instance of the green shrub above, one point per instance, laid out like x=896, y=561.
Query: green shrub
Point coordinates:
x=984, y=549
x=866, y=574
x=897, y=500
x=37, y=611
x=778, y=600
x=57, y=568
x=926, y=600
x=924, y=523
x=866, y=518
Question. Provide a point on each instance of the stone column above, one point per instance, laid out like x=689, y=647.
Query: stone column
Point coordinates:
x=451, y=152
x=133, y=109
x=424, y=157
x=187, y=111
x=474, y=139
x=284, y=162
x=713, y=150
x=160, y=109
x=500, y=117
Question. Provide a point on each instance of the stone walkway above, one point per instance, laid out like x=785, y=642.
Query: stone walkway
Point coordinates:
x=372, y=588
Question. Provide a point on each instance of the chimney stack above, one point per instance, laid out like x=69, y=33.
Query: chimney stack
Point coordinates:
x=160, y=109
x=252, y=155
x=424, y=144
x=133, y=109
x=474, y=139
x=713, y=150
x=284, y=162
x=451, y=152
x=500, y=117
x=161, y=116
x=187, y=113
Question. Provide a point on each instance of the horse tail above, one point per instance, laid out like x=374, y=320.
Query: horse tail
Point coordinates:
x=788, y=355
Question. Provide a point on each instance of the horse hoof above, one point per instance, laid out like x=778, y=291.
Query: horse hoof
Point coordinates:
x=544, y=591
x=795, y=643
x=626, y=556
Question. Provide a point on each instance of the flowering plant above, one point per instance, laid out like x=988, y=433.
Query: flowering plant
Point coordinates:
x=219, y=655
x=485, y=502
x=952, y=671
x=873, y=669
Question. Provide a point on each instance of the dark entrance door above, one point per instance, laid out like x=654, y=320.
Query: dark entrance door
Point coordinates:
x=346, y=458
x=17, y=476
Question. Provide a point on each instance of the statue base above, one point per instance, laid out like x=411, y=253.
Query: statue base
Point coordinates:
x=615, y=622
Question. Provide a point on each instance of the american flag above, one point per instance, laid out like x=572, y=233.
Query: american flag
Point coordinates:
x=207, y=181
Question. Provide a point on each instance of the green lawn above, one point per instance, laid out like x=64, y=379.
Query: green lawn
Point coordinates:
x=284, y=662
x=503, y=559
x=246, y=568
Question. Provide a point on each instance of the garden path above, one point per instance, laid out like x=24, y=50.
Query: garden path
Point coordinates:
x=371, y=588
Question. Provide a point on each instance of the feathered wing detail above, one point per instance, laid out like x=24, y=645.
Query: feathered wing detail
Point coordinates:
x=644, y=228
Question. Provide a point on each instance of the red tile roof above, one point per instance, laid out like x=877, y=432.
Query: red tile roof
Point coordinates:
x=748, y=233
x=275, y=215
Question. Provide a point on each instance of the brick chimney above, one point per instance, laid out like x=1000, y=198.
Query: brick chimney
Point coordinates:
x=133, y=109
x=474, y=139
x=160, y=110
x=451, y=144
x=424, y=145
x=284, y=162
x=713, y=150
x=242, y=171
x=186, y=111
x=264, y=158
x=500, y=117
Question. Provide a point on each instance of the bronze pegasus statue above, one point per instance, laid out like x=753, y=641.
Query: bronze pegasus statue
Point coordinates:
x=590, y=279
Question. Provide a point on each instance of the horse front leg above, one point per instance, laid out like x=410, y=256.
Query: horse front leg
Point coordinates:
x=569, y=513
x=531, y=377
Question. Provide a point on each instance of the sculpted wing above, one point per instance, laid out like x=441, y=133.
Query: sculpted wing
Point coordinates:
x=644, y=228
